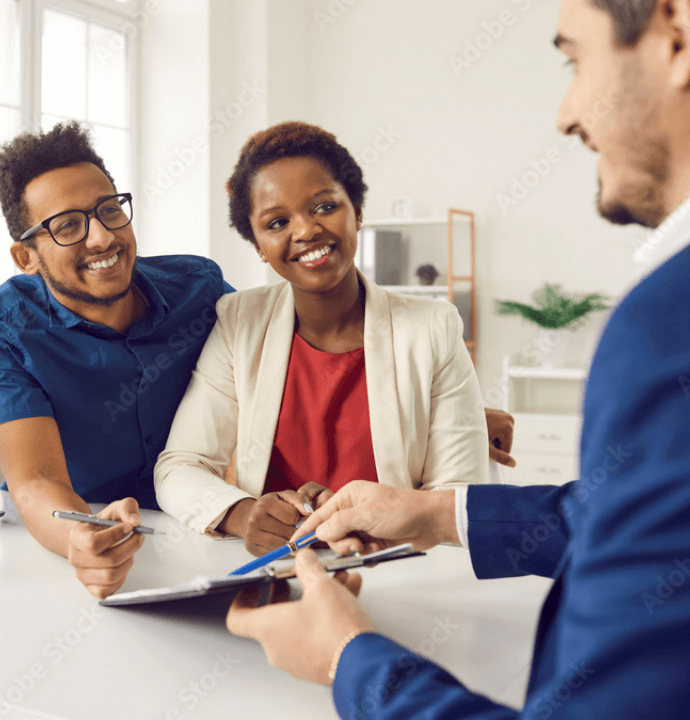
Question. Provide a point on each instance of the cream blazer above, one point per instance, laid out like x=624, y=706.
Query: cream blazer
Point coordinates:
x=428, y=424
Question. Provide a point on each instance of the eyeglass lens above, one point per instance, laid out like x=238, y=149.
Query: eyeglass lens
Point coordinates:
x=71, y=227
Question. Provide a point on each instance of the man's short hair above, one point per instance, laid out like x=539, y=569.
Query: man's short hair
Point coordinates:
x=32, y=154
x=289, y=139
x=630, y=17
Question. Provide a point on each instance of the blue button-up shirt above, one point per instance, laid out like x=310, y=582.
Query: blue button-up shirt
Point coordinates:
x=112, y=395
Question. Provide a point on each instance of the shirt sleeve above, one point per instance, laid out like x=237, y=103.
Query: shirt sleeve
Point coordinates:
x=20, y=395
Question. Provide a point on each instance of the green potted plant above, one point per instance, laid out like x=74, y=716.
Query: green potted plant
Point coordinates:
x=554, y=311
x=427, y=274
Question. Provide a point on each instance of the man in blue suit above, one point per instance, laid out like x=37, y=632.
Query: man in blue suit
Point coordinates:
x=612, y=638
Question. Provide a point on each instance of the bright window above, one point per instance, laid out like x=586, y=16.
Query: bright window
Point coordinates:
x=76, y=65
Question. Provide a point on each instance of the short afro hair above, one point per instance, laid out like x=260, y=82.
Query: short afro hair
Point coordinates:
x=289, y=139
x=32, y=154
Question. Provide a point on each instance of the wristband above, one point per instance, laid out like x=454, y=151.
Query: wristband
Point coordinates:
x=339, y=651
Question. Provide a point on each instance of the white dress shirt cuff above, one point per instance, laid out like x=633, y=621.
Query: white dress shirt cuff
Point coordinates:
x=461, y=515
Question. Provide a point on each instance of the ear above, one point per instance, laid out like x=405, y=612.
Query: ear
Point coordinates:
x=358, y=216
x=25, y=258
x=676, y=18
x=260, y=252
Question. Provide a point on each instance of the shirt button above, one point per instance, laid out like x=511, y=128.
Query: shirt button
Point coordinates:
x=149, y=440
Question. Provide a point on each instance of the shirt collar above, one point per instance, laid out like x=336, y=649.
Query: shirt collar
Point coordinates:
x=665, y=241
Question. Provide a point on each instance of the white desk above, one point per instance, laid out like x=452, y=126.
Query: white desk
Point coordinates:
x=180, y=663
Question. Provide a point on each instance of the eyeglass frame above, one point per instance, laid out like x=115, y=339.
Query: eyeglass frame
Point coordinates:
x=46, y=223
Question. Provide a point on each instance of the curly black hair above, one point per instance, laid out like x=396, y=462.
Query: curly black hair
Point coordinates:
x=32, y=154
x=289, y=139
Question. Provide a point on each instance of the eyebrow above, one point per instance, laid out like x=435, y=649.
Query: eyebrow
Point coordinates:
x=560, y=40
x=267, y=211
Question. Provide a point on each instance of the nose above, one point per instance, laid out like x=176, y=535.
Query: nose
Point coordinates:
x=98, y=237
x=567, y=115
x=305, y=228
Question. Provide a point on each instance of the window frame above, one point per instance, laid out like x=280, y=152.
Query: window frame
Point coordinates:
x=101, y=12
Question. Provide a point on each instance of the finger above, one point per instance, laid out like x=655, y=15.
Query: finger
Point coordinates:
x=501, y=457
x=334, y=504
x=287, y=507
x=312, y=489
x=244, y=613
x=82, y=557
x=352, y=581
x=104, y=582
x=341, y=525
x=322, y=498
x=280, y=592
x=309, y=570
x=93, y=541
x=126, y=510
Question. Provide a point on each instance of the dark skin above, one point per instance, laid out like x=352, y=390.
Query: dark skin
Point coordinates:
x=298, y=208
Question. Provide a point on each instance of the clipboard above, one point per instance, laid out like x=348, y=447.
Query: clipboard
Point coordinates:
x=202, y=586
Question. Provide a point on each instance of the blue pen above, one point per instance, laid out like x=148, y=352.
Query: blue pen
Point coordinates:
x=290, y=549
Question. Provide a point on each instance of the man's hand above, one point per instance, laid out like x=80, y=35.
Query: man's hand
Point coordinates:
x=302, y=637
x=364, y=516
x=102, y=557
x=500, y=425
x=266, y=523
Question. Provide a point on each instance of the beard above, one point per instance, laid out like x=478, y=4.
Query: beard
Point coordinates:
x=78, y=295
x=640, y=202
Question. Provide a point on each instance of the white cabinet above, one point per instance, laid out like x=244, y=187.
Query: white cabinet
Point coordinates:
x=545, y=403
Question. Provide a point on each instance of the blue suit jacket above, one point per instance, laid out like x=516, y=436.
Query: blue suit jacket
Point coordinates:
x=613, y=640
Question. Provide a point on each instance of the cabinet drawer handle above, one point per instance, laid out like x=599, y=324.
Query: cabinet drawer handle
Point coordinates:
x=544, y=436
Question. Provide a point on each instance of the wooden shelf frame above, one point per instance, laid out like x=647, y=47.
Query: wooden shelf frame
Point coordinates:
x=453, y=213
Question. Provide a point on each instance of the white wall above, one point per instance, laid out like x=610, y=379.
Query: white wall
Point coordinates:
x=368, y=68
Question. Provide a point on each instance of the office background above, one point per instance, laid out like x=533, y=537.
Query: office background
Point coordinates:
x=450, y=104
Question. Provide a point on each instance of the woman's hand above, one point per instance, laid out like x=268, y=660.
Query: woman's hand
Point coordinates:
x=317, y=494
x=500, y=426
x=268, y=522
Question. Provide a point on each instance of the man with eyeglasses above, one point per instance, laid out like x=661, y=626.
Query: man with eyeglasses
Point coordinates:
x=97, y=346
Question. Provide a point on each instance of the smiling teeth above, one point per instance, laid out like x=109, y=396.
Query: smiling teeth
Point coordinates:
x=315, y=255
x=103, y=264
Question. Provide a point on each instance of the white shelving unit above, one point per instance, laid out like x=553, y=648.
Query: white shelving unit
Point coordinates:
x=545, y=403
x=448, y=243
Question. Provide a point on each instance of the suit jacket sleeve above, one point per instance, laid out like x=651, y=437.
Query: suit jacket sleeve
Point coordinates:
x=614, y=643
x=517, y=530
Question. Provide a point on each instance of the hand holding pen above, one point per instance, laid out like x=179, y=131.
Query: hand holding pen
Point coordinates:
x=102, y=556
x=268, y=522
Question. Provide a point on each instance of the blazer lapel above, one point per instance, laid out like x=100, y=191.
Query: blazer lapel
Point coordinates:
x=268, y=391
x=384, y=415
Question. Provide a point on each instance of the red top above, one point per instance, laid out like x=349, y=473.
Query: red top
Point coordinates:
x=323, y=431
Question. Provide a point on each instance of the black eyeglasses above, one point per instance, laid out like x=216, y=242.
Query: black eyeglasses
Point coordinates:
x=72, y=226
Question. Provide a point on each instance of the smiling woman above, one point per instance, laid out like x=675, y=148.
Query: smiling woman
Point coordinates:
x=322, y=379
